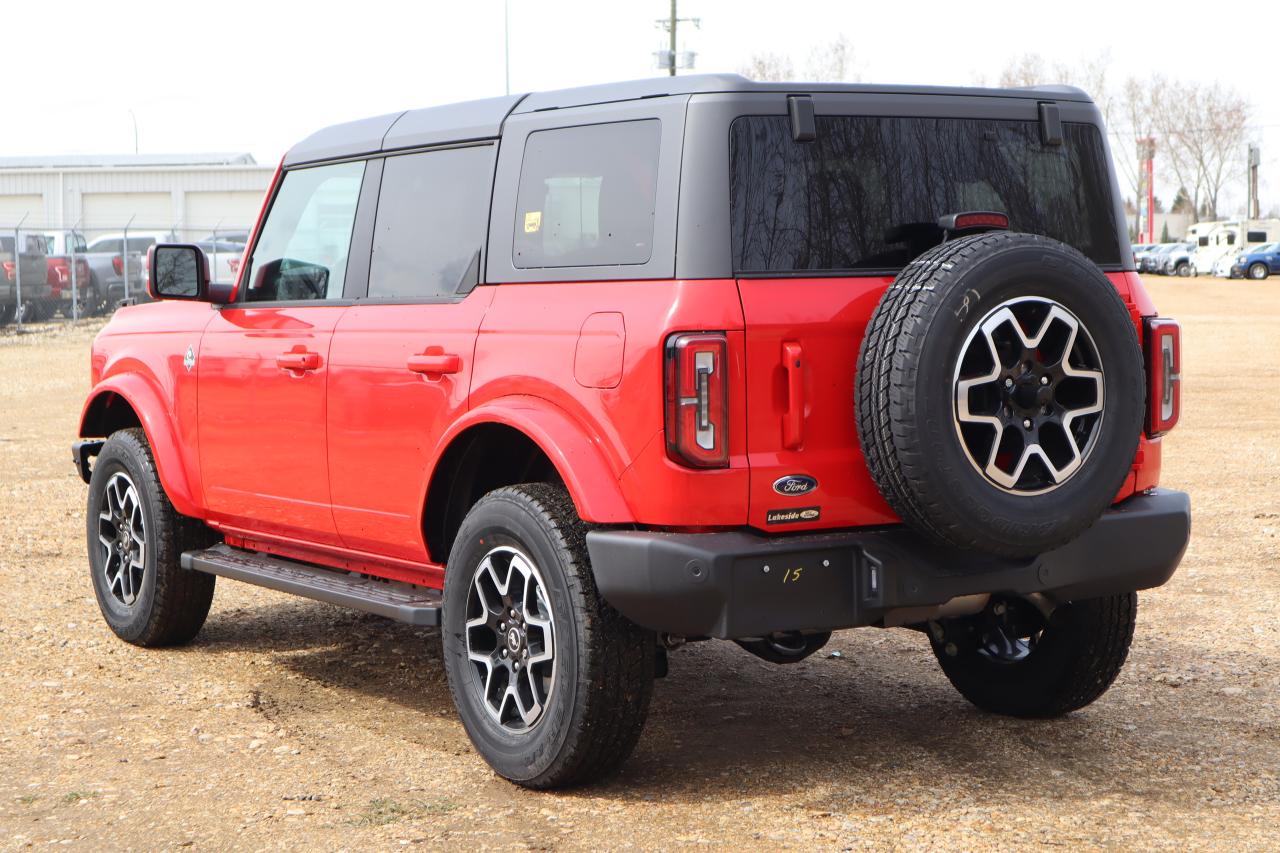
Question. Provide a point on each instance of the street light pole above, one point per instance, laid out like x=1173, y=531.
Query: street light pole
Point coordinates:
x=135, y=131
x=674, y=21
x=506, y=43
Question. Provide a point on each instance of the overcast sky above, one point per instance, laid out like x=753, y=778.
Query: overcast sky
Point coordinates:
x=258, y=76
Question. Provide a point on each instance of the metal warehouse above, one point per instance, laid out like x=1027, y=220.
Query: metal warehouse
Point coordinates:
x=188, y=194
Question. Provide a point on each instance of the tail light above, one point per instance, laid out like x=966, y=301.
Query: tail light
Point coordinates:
x=8, y=270
x=1164, y=375
x=697, y=400
x=117, y=264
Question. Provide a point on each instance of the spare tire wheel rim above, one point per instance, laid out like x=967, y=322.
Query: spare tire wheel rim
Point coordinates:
x=510, y=637
x=1029, y=395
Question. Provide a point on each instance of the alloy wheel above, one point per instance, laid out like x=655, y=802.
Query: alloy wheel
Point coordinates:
x=1029, y=393
x=122, y=534
x=510, y=637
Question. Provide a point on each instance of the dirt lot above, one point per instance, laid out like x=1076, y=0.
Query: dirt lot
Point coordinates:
x=289, y=724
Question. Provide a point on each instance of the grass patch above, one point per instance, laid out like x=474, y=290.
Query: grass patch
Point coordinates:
x=28, y=799
x=382, y=811
x=77, y=796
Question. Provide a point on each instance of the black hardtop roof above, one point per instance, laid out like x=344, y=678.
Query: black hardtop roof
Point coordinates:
x=482, y=119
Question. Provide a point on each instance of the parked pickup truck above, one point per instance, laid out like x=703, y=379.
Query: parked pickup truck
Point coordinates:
x=25, y=293
x=107, y=264
x=583, y=376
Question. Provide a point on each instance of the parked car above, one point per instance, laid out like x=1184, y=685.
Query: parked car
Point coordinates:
x=1140, y=250
x=640, y=376
x=62, y=246
x=24, y=278
x=1177, y=261
x=1257, y=263
x=1150, y=260
x=107, y=263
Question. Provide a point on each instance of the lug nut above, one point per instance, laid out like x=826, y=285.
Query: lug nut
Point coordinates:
x=1044, y=380
x=951, y=650
x=1026, y=422
x=513, y=613
x=504, y=653
x=1000, y=609
x=517, y=664
x=1008, y=383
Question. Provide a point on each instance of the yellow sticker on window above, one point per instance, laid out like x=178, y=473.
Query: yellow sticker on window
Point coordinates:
x=532, y=221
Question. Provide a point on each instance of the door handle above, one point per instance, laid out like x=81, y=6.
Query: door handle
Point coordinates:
x=299, y=361
x=435, y=365
x=793, y=420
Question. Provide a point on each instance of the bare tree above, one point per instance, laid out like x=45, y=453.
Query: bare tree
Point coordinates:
x=768, y=67
x=832, y=62
x=1026, y=70
x=1203, y=129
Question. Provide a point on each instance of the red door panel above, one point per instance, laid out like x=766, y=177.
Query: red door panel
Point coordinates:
x=399, y=377
x=802, y=352
x=262, y=383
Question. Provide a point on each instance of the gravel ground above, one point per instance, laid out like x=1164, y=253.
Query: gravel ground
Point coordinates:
x=290, y=724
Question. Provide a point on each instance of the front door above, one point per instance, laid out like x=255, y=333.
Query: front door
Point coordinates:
x=402, y=356
x=263, y=366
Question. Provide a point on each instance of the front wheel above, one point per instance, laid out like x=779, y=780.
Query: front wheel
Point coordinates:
x=1010, y=660
x=135, y=539
x=552, y=684
x=1258, y=272
x=1184, y=270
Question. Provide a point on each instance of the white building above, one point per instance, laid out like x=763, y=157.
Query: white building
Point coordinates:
x=190, y=194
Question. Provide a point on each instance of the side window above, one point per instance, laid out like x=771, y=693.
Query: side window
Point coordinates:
x=433, y=210
x=587, y=196
x=302, y=250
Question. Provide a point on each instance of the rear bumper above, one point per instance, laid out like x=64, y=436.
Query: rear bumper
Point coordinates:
x=741, y=584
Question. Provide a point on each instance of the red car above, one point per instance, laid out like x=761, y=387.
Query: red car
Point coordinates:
x=582, y=376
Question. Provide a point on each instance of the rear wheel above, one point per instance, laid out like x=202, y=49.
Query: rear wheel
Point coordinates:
x=1184, y=270
x=1259, y=271
x=135, y=540
x=552, y=684
x=1011, y=660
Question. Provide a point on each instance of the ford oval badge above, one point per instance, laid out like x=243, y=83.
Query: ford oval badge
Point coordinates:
x=795, y=484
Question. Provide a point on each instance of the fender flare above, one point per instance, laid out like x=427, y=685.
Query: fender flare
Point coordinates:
x=582, y=465
x=157, y=423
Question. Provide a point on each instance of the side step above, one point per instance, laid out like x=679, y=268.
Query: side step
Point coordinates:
x=403, y=602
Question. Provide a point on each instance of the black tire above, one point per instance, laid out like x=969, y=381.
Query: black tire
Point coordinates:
x=1259, y=272
x=908, y=367
x=6, y=315
x=1184, y=270
x=169, y=604
x=604, y=665
x=1075, y=660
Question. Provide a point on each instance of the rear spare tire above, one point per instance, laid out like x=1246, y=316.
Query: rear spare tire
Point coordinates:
x=1000, y=393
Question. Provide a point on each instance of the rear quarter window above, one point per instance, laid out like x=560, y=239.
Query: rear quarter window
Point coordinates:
x=587, y=196
x=867, y=193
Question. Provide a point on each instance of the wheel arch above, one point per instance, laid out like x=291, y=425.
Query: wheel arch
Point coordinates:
x=512, y=441
x=128, y=400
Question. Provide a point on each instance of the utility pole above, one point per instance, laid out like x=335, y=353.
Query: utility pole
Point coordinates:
x=1252, y=208
x=675, y=22
x=669, y=58
x=506, y=43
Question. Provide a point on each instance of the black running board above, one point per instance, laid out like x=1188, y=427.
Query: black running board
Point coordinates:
x=403, y=602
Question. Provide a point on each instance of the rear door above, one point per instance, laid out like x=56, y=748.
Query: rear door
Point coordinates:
x=402, y=355
x=819, y=230
x=263, y=365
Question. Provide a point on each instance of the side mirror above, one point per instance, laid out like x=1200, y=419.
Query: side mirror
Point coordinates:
x=177, y=271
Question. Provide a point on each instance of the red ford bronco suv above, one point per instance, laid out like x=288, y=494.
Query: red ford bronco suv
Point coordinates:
x=579, y=376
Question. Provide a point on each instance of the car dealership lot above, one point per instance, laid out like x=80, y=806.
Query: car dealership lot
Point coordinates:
x=289, y=723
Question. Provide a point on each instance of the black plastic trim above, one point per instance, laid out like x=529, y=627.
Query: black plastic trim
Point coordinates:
x=745, y=584
x=82, y=452
x=403, y=602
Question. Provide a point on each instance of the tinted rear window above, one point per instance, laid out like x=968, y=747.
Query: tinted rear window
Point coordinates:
x=587, y=196
x=867, y=194
x=432, y=214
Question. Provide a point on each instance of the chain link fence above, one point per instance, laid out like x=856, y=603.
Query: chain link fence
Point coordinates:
x=51, y=274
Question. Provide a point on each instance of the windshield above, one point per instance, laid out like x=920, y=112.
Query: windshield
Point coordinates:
x=868, y=192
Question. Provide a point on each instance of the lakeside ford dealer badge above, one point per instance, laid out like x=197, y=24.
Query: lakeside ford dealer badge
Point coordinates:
x=795, y=484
